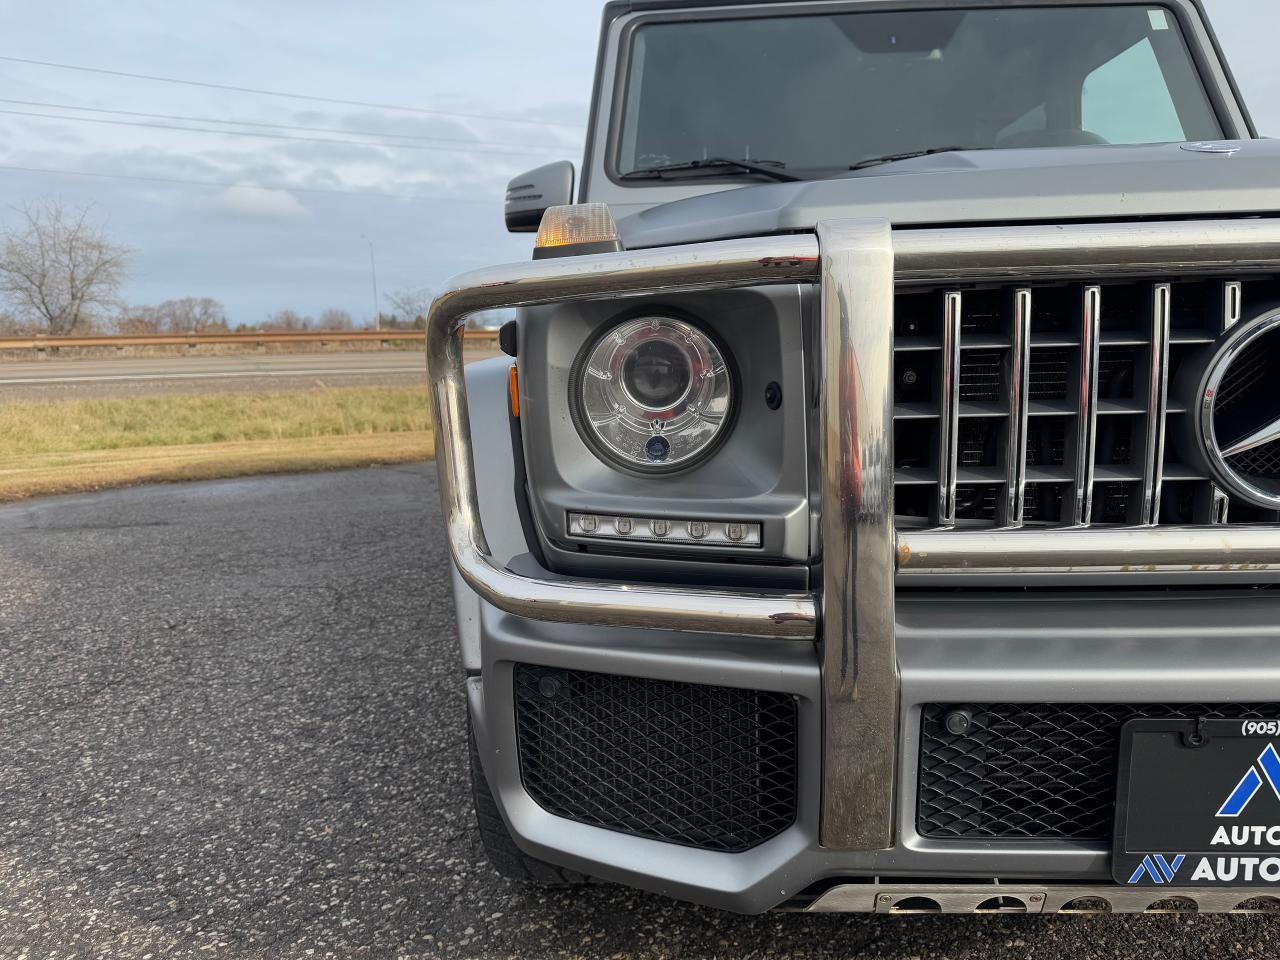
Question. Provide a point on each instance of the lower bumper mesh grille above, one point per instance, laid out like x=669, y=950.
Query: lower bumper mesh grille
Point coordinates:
x=1034, y=771
x=702, y=766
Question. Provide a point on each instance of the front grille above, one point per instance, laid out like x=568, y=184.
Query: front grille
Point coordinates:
x=1260, y=462
x=1093, y=417
x=701, y=766
x=1034, y=771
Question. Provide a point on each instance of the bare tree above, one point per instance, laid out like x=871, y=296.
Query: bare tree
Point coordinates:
x=287, y=320
x=139, y=321
x=193, y=315
x=184, y=315
x=58, y=269
x=409, y=307
x=335, y=319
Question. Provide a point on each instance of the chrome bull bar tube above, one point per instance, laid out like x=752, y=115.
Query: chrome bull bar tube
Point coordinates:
x=732, y=263
x=859, y=658
x=1064, y=551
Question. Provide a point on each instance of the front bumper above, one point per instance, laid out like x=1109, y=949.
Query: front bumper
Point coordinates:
x=951, y=649
x=860, y=656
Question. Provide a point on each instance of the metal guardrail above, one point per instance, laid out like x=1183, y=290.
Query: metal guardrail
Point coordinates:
x=42, y=343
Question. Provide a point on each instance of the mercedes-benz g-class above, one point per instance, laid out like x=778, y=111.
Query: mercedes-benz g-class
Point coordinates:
x=880, y=510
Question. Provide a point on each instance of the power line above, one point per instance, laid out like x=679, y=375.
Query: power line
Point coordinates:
x=243, y=186
x=283, y=126
x=269, y=136
x=293, y=96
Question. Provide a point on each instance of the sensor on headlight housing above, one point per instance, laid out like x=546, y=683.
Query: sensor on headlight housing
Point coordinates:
x=653, y=394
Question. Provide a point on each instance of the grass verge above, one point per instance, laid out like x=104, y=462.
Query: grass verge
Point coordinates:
x=77, y=445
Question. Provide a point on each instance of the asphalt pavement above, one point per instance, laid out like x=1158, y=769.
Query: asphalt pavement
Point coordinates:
x=253, y=372
x=231, y=725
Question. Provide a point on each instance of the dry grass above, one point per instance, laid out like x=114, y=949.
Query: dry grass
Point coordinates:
x=75, y=445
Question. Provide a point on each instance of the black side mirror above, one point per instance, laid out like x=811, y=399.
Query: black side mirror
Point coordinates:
x=529, y=195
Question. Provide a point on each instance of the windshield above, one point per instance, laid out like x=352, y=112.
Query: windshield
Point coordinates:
x=821, y=93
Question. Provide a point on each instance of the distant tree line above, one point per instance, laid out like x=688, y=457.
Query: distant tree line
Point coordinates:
x=60, y=274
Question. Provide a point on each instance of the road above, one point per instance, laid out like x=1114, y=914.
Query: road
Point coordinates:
x=233, y=726
x=140, y=376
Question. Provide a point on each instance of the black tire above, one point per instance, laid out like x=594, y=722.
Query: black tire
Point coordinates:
x=506, y=857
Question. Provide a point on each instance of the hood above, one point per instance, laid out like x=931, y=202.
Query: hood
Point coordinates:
x=1047, y=184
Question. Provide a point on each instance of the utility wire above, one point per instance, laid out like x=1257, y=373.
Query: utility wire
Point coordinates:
x=284, y=126
x=242, y=186
x=292, y=96
x=270, y=136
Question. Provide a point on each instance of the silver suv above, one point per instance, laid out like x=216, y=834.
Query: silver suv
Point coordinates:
x=880, y=513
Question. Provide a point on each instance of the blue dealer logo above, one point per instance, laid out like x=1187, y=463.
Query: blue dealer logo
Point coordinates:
x=1266, y=767
x=1157, y=868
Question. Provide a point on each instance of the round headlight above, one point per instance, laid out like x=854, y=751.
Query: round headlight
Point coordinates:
x=653, y=393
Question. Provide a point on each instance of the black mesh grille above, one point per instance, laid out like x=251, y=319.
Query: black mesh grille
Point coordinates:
x=1046, y=441
x=1248, y=376
x=1034, y=771
x=1263, y=461
x=1114, y=443
x=980, y=376
x=1044, y=502
x=977, y=502
x=1111, y=502
x=1049, y=374
x=702, y=766
x=979, y=442
x=1117, y=372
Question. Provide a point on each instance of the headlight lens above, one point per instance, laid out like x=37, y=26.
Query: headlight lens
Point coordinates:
x=653, y=393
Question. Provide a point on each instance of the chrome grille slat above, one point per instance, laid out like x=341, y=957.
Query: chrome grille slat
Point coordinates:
x=1232, y=311
x=1157, y=404
x=1019, y=397
x=949, y=422
x=1087, y=404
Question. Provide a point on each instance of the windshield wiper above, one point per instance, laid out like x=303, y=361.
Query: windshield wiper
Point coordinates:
x=773, y=169
x=909, y=155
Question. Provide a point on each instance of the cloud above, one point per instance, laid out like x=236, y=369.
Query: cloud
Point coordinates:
x=258, y=203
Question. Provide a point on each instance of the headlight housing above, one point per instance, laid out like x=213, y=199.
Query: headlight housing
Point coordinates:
x=653, y=394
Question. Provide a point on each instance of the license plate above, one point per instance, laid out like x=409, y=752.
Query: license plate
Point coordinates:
x=1198, y=804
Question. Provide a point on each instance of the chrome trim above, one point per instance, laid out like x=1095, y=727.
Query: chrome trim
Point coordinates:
x=1240, y=338
x=1219, y=507
x=1072, y=251
x=859, y=659
x=1066, y=550
x=1232, y=312
x=1268, y=434
x=1087, y=407
x=791, y=259
x=949, y=410
x=1019, y=397
x=1232, y=304
x=1157, y=403
x=1014, y=897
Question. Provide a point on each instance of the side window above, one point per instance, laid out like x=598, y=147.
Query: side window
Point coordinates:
x=1126, y=100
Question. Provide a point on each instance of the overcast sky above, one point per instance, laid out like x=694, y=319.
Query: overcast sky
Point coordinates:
x=432, y=207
